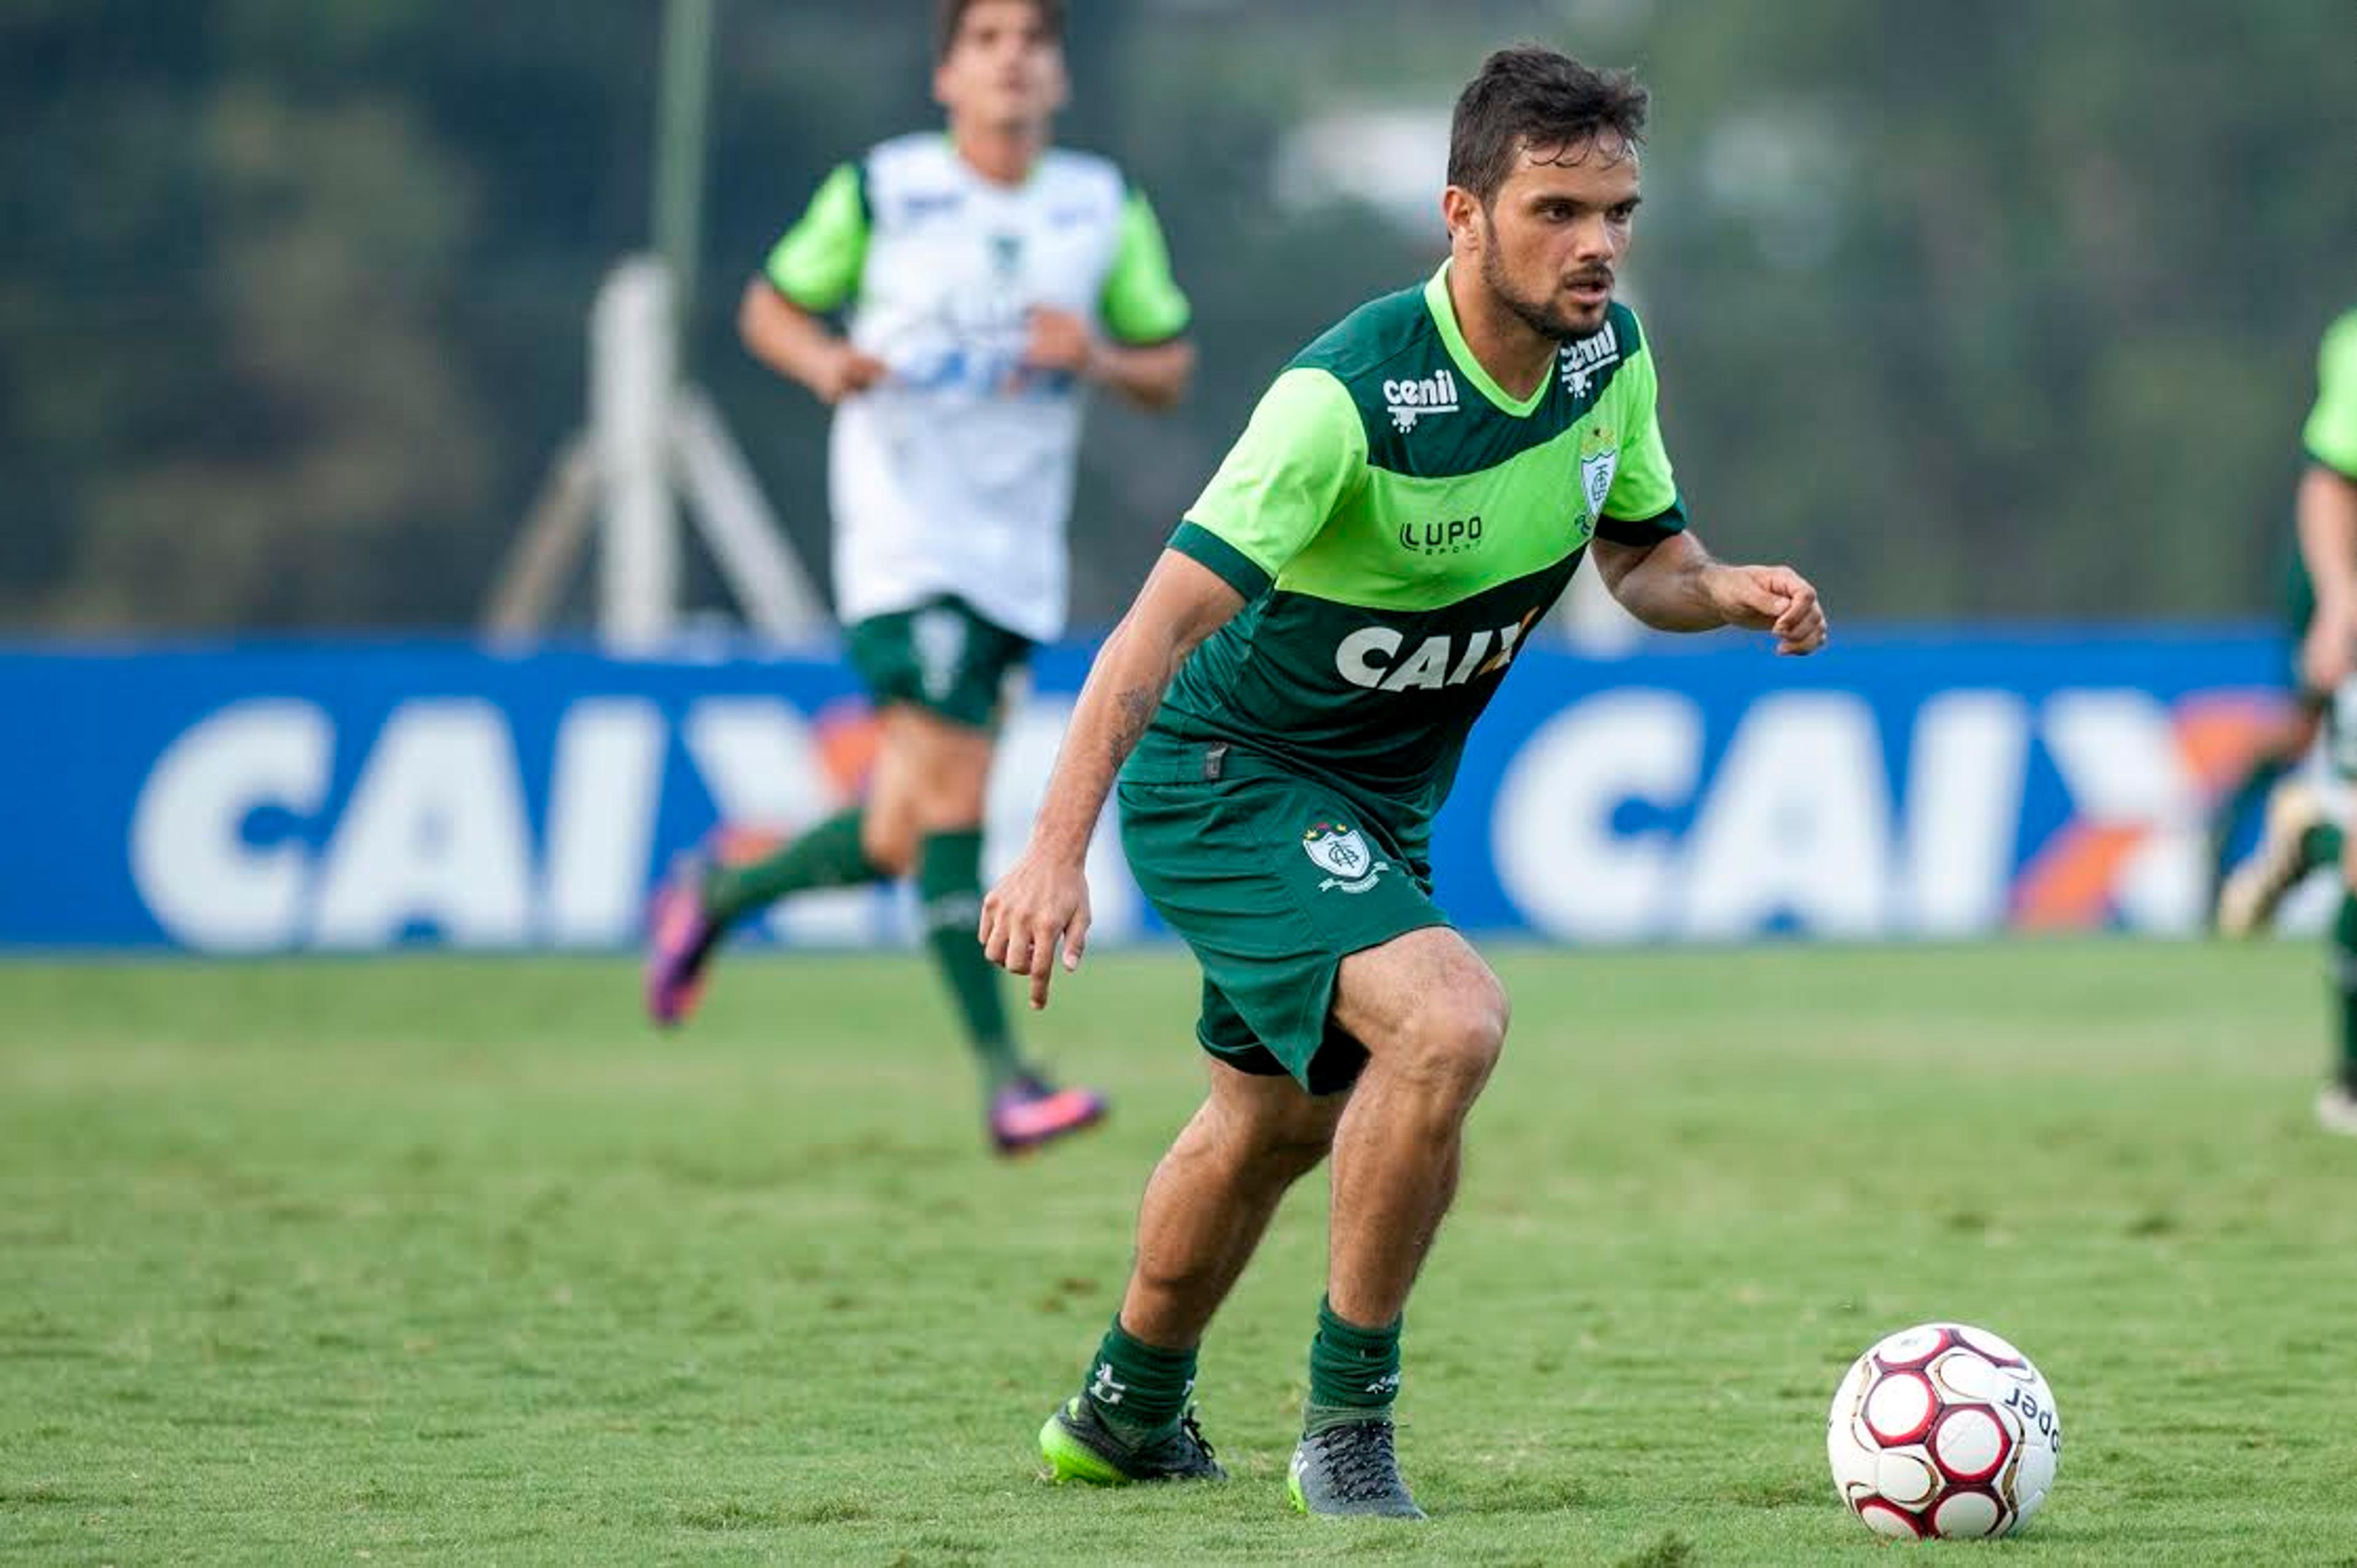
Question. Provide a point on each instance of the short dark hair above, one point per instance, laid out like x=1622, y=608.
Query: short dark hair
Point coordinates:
x=1532, y=96
x=950, y=16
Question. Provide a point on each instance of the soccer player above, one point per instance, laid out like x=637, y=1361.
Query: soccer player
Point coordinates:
x=1285, y=705
x=2299, y=835
x=990, y=279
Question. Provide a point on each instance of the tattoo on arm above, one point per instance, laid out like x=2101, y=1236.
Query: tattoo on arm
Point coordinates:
x=1137, y=705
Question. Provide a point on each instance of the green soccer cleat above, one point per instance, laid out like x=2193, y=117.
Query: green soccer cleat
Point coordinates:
x=1350, y=1470
x=1077, y=1447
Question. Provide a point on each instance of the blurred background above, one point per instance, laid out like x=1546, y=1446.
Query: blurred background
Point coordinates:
x=2000, y=310
x=1984, y=315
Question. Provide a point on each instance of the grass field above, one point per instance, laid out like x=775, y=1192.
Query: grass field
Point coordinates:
x=430, y=1261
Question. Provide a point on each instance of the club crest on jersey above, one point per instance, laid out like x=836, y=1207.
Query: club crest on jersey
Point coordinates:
x=1578, y=363
x=1337, y=848
x=1410, y=400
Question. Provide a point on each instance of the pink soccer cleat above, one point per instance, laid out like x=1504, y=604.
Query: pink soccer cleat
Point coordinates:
x=681, y=937
x=1029, y=1113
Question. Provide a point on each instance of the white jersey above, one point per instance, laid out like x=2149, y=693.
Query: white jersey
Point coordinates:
x=954, y=475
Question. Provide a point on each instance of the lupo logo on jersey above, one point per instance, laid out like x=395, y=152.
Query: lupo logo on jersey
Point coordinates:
x=1441, y=538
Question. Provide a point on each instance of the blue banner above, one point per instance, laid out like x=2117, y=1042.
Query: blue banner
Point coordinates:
x=356, y=796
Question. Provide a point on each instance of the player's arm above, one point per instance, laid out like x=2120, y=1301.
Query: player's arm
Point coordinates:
x=1305, y=451
x=2327, y=513
x=815, y=269
x=1152, y=375
x=1044, y=897
x=1658, y=572
x=1673, y=584
x=1142, y=353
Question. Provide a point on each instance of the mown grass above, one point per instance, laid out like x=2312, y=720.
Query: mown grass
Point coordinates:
x=425, y=1260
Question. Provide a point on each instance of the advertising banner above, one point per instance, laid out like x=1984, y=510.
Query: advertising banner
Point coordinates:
x=270, y=797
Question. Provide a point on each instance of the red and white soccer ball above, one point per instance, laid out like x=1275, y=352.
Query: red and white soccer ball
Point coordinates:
x=1943, y=1430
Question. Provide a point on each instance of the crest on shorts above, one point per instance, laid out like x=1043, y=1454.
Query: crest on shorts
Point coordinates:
x=1337, y=848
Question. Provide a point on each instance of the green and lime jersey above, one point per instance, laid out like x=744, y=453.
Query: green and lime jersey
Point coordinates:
x=2331, y=432
x=1396, y=525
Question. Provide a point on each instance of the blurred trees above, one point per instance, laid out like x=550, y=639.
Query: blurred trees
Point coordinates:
x=1999, y=310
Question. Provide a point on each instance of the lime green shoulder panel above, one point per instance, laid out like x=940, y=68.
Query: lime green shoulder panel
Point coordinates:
x=1141, y=302
x=1302, y=456
x=818, y=263
x=2330, y=434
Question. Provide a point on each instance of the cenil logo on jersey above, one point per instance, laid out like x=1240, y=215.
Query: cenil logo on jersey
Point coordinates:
x=1336, y=847
x=1577, y=363
x=1411, y=401
x=1371, y=657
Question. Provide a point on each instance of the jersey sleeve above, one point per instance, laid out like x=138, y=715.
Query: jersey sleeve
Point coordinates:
x=818, y=263
x=1643, y=505
x=1141, y=302
x=1304, y=453
x=2330, y=434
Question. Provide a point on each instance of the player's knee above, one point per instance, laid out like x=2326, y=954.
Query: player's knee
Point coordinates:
x=1285, y=1155
x=1454, y=1040
x=1274, y=1146
x=888, y=842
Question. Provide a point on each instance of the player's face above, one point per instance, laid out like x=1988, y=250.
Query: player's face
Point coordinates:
x=1004, y=69
x=1552, y=239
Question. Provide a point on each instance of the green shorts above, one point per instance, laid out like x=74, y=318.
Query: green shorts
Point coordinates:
x=941, y=657
x=1272, y=879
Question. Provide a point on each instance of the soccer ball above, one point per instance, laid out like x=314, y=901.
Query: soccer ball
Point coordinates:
x=1941, y=1430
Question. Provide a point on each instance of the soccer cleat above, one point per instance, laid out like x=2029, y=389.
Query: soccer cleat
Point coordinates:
x=1351, y=1470
x=1030, y=1112
x=2336, y=1110
x=1079, y=1447
x=681, y=937
x=2249, y=899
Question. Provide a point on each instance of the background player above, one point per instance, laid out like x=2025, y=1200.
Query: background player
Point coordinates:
x=990, y=278
x=2300, y=834
x=1410, y=496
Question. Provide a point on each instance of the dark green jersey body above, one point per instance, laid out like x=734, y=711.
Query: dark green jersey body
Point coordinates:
x=1397, y=524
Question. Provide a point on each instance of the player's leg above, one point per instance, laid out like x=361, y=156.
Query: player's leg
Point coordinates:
x=1432, y=1019
x=1206, y=1206
x=2299, y=836
x=2241, y=903
x=2281, y=746
x=2335, y=1107
x=933, y=778
x=713, y=888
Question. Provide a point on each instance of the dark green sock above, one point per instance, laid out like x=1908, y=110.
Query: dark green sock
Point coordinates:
x=2344, y=984
x=1135, y=1388
x=2321, y=845
x=828, y=856
x=2247, y=795
x=949, y=902
x=1354, y=1373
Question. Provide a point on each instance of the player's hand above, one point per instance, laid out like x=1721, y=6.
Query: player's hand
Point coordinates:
x=1773, y=599
x=2328, y=651
x=846, y=373
x=1039, y=902
x=1059, y=341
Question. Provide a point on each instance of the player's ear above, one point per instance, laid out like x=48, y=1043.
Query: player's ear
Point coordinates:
x=1460, y=210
